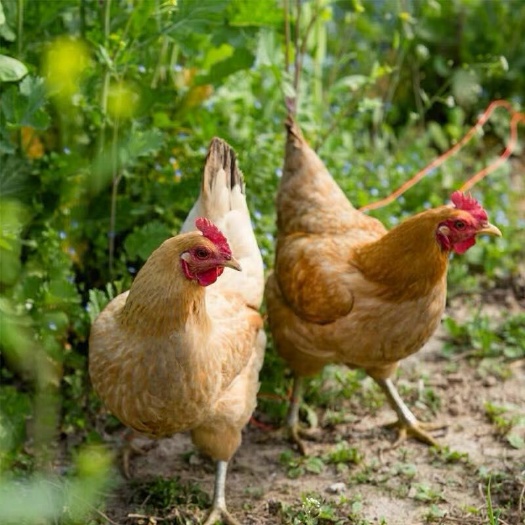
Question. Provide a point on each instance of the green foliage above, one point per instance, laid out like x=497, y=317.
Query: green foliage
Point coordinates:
x=313, y=510
x=487, y=337
x=167, y=493
x=299, y=466
x=344, y=454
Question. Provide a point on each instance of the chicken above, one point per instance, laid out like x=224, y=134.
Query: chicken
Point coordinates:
x=182, y=349
x=345, y=290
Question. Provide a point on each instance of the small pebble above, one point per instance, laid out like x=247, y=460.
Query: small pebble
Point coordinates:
x=490, y=381
x=336, y=488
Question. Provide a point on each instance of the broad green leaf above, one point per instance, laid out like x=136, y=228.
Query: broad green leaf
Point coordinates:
x=217, y=54
x=23, y=105
x=145, y=143
x=261, y=13
x=5, y=31
x=143, y=240
x=241, y=59
x=11, y=69
x=516, y=441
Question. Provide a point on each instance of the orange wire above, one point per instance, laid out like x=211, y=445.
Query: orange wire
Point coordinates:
x=515, y=120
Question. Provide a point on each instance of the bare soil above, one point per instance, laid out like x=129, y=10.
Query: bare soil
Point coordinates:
x=269, y=483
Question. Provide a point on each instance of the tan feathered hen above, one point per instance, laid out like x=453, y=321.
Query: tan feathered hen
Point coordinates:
x=346, y=290
x=183, y=348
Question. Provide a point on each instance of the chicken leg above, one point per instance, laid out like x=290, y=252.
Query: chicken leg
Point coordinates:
x=129, y=449
x=219, y=512
x=407, y=424
x=292, y=418
x=295, y=432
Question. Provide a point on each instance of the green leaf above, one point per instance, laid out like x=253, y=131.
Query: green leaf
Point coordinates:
x=245, y=14
x=11, y=69
x=190, y=17
x=24, y=105
x=516, y=441
x=141, y=144
x=143, y=240
x=241, y=59
x=5, y=31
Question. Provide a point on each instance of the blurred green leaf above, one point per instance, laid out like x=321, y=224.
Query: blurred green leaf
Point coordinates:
x=143, y=240
x=11, y=70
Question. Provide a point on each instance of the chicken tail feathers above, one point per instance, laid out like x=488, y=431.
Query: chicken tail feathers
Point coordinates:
x=222, y=157
x=222, y=200
x=222, y=188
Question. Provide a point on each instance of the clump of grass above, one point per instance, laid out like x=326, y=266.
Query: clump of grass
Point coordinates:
x=343, y=454
x=161, y=495
x=297, y=466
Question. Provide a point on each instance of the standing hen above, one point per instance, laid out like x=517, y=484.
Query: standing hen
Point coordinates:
x=346, y=290
x=183, y=348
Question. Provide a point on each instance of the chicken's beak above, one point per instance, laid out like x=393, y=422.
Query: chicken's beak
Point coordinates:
x=490, y=229
x=232, y=263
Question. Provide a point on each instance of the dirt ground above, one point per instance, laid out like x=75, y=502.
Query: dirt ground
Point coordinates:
x=269, y=483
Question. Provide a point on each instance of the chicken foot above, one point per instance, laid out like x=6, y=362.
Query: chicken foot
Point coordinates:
x=219, y=512
x=407, y=424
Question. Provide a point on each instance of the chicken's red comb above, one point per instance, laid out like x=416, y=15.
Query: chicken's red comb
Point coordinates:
x=466, y=202
x=211, y=232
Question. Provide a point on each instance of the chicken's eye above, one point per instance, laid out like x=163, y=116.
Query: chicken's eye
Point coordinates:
x=460, y=225
x=202, y=253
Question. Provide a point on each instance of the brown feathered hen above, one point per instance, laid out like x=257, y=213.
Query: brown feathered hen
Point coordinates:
x=183, y=348
x=345, y=290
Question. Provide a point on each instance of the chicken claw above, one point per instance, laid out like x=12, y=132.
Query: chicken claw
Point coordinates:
x=130, y=449
x=407, y=424
x=219, y=513
x=415, y=429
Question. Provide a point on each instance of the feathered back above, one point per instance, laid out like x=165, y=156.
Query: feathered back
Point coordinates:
x=309, y=200
x=223, y=200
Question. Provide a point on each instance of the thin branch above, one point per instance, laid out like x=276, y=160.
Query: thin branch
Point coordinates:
x=297, y=61
x=116, y=177
x=286, y=8
x=145, y=517
x=300, y=50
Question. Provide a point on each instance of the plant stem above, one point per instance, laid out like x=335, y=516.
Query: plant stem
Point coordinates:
x=286, y=8
x=116, y=177
x=107, y=76
x=20, y=27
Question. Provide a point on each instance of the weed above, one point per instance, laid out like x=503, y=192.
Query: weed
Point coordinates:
x=492, y=515
x=343, y=454
x=434, y=513
x=425, y=492
x=447, y=456
x=499, y=416
x=161, y=493
x=298, y=466
x=483, y=336
x=313, y=510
